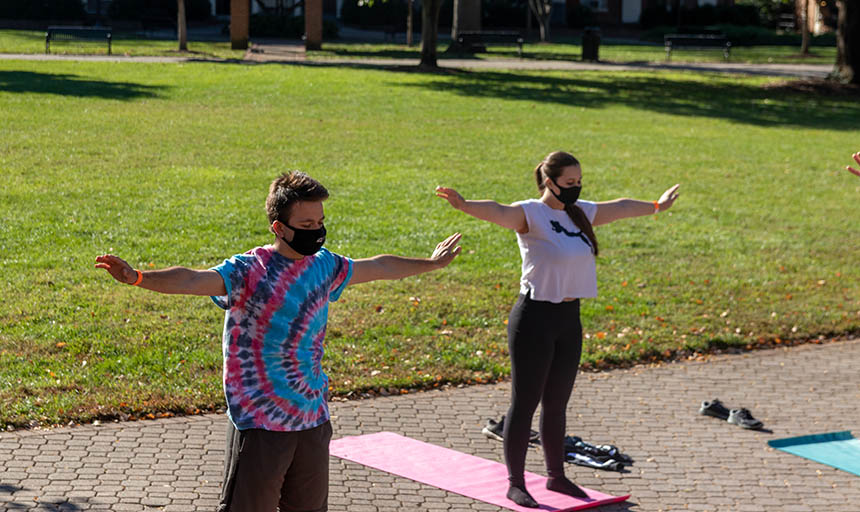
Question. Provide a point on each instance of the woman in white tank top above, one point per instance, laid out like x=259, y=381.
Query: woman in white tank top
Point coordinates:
x=558, y=247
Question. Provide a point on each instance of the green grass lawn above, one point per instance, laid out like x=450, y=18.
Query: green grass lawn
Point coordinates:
x=169, y=164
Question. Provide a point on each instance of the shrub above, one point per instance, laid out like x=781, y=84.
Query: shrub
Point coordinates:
x=768, y=11
x=580, y=16
x=702, y=15
x=290, y=27
x=378, y=13
x=390, y=12
x=195, y=10
x=503, y=13
x=42, y=10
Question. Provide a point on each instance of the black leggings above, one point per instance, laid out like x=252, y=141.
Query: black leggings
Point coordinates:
x=545, y=343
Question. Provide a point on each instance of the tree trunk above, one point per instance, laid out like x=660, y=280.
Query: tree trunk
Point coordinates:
x=409, y=24
x=542, y=10
x=455, y=20
x=528, y=21
x=181, y=26
x=429, y=33
x=804, y=27
x=848, y=41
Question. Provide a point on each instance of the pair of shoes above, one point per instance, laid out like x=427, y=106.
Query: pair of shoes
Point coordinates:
x=495, y=430
x=740, y=417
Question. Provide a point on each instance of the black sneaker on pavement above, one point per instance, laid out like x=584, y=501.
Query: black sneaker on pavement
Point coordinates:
x=743, y=418
x=714, y=408
x=495, y=429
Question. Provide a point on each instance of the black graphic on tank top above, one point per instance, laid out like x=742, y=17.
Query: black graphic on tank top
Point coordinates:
x=558, y=228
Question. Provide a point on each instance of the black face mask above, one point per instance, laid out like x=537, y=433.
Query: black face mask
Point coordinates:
x=568, y=195
x=306, y=241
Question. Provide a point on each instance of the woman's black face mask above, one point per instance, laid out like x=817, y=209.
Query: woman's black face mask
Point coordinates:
x=567, y=195
x=306, y=241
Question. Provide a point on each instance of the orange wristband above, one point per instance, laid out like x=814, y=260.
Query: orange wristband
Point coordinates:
x=139, y=277
x=656, y=207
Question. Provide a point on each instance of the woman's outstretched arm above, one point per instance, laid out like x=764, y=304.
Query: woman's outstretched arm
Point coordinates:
x=507, y=216
x=610, y=211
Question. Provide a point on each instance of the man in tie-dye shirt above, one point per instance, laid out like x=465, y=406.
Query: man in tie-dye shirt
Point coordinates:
x=276, y=300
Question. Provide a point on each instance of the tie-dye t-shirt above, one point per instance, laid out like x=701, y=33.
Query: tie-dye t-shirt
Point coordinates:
x=277, y=309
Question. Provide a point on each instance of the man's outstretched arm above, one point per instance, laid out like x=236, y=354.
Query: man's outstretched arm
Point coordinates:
x=386, y=266
x=177, y=280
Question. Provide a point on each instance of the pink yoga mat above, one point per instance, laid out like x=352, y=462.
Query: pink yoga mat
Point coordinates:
x=471, y=476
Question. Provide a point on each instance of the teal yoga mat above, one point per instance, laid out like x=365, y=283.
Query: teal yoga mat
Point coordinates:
x=838, y=449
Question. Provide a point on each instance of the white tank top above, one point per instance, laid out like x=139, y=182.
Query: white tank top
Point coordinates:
x=557, y=259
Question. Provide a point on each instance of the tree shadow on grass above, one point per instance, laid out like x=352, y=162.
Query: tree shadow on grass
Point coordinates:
x=73, y=85
x=714, y=96
x=682, y=93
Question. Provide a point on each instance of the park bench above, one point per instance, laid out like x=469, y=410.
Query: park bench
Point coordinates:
x=476, y=41
x=77, y=33
x=697, y=42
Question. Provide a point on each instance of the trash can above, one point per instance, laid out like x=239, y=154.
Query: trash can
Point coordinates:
x=591, y=43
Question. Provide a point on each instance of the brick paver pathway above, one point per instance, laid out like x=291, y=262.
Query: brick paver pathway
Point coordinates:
x=683, y=461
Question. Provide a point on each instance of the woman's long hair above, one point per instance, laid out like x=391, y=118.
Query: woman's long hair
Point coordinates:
x=552, y=167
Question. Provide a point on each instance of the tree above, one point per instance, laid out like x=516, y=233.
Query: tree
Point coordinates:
x=848, y=41
x=542, y=10
x=804, y=27
x=409, y=23
x=181, y=26
x=429, y=33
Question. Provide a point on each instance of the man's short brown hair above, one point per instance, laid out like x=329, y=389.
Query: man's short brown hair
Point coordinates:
x=287, y=190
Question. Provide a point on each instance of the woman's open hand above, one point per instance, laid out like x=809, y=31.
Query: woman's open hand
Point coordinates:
x=453, y=197
x=668, y=198
x=856, y=159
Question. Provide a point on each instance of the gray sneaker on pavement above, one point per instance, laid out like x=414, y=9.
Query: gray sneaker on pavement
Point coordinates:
x=744, y=419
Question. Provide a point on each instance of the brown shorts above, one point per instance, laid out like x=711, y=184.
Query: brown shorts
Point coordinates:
x=267, y=471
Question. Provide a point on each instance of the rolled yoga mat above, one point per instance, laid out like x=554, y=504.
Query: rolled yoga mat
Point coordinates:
x=457, y=472
x=837, y=449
